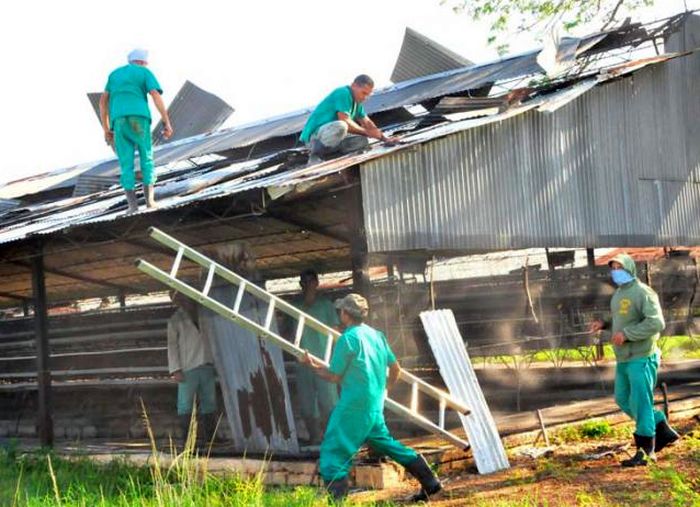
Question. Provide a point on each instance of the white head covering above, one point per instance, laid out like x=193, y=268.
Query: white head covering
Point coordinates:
x=138, y=54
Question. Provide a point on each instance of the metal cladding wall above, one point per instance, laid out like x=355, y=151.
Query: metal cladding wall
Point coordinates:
x=619, y=166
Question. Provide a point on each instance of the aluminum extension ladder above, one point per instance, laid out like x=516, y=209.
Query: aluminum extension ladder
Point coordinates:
x=201, y=296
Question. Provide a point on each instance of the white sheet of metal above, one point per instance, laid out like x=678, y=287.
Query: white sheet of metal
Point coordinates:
x=457, y=372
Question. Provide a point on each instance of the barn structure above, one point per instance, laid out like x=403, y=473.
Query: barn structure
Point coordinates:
x=494, y=157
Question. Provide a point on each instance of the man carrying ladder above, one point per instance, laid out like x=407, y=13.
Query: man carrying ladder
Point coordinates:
x=359, y=364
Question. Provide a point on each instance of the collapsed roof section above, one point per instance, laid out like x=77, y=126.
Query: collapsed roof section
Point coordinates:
x=262, y=154
x=420, y=56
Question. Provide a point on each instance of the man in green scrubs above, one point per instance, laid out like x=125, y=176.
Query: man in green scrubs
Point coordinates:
x=126, y=121
x=359, y=364
x=636, y=322
x=316, y=396
x=339, y=124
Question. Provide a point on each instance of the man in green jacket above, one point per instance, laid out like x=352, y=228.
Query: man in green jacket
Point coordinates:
x=359, y=363
x=126, y=121
x=636, y=322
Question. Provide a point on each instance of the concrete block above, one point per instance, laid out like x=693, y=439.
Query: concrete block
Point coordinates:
x=379, y=476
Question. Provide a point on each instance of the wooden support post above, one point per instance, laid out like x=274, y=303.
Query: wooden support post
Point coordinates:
x=122, y=301
x=359, y=257
x=45, y=421
x=25, y=307
x=590, y=257
x=543, y=428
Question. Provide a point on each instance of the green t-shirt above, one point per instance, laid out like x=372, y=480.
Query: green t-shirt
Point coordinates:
x=338, y=101
x=322, y=309
x=361, y=357
x=128, y=89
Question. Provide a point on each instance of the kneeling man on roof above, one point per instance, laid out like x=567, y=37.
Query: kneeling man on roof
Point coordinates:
x=339, y=124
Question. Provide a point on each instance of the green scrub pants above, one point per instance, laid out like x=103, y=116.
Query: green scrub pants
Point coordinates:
x=134, y=133
x=635, y=381
x=347, y=430
x=199, y=381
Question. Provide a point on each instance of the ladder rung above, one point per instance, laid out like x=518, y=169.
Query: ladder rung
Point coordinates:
x=300, y=331
x=270, y=314
x=210, y=279
x=414, y=397
x=178, y=260
x=239, y=297
x=441, y=417
x=329, y=348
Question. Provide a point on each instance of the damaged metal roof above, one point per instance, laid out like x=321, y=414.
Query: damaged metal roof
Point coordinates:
x=196, y=168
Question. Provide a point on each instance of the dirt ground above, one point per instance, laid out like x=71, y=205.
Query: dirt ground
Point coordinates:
x=570, y=475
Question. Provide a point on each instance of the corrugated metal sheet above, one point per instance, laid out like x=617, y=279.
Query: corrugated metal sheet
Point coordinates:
x=456, y=369
x=420, y=56
x=192, y=112
x=253, y=379
x=88, y=184
x=618, y=166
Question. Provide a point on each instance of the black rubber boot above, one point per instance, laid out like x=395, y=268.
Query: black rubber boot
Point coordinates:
x=665, y=435
x=645, y=452
x=184, y=423
x=338, y=489
x=429, y=483
x=209, y=428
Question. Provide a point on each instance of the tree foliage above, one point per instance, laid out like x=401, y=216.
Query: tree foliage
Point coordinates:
x=508, y=17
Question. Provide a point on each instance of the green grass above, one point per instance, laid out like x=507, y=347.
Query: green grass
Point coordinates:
x=592, y=429
x=34, y=479
x=44, y=479
x=682, y=490
x=672, y=347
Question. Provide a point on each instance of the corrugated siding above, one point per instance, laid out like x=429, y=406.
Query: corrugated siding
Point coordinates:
x=619, y=166
x=456, y=369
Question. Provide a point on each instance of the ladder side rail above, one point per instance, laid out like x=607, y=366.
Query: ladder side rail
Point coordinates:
x=285, y=345
x=424, y=423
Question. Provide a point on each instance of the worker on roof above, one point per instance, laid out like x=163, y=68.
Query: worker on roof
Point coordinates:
x=636, y=322
x=126, y=121
x=339, y=124
x=316, y=396
x=191, y=365
x=359, y=364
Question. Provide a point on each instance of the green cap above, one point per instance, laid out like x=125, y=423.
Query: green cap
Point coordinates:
x=354, y=304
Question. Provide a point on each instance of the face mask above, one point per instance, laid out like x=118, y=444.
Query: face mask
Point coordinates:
x=620, y=276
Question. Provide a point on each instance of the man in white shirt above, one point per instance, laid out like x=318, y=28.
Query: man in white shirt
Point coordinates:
x=191, y=365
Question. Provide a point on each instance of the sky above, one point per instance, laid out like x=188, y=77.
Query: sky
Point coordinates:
x=263, y=58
